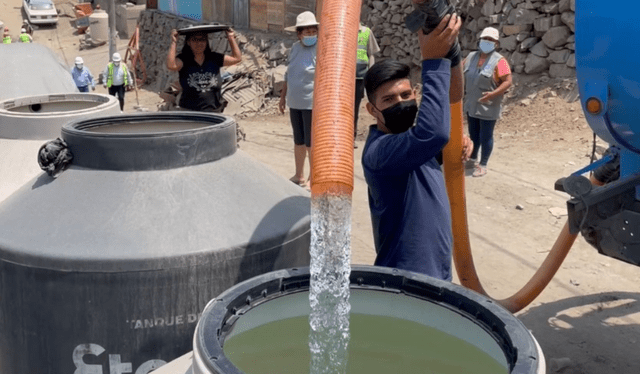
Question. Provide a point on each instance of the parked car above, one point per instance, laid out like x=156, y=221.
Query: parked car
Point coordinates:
x=40, y=11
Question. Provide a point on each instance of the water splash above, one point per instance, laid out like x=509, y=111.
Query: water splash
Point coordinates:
x=329, y=288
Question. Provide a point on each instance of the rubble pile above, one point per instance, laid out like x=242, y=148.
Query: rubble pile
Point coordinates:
x=535, y=36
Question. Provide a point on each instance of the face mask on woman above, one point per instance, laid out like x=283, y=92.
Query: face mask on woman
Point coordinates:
x=487, y=46
x=309, y=41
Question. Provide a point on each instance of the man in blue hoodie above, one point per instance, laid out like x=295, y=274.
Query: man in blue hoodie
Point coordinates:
x=407, y=195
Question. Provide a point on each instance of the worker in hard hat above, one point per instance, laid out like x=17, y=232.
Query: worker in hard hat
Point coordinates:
x=24, y=37
x=116, y=78
x=6, y=37
x=82, y=76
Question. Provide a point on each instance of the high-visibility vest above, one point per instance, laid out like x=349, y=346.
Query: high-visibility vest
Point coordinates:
x=362, y=64
x=110, y=75
x=24, y=38
x=6, y=40
x=363, y=41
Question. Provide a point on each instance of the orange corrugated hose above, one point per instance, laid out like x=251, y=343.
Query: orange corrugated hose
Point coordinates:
x=334, y=92
x=462, y=258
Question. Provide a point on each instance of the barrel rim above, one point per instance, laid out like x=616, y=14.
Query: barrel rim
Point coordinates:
x=48, y=124
x=82, y=127
x=8, y=104
x=151, y=150
x=222, y=312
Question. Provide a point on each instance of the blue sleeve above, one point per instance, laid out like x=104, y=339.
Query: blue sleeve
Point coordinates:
x=400, y=153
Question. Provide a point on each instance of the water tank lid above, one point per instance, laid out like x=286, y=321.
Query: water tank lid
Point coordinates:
x=150, y=141
x=221, y=312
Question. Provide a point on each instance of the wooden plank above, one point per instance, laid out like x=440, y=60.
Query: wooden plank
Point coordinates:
x=241, y=14
x=295, y=7
x=258, y=14
x=275, y=12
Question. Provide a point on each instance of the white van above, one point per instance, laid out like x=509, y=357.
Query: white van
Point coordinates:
x=40, y=11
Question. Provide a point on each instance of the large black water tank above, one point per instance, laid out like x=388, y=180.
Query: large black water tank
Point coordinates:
x=106, y=268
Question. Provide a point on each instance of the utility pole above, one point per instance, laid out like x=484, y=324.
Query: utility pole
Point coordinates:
x=113, y=48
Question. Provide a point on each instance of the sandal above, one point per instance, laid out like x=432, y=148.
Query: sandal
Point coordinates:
x=480, y=171
x=471, y=164
x=301, y=183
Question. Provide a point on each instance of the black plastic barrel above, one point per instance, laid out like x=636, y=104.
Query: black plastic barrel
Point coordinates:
x=106, y=268
x=284, y=294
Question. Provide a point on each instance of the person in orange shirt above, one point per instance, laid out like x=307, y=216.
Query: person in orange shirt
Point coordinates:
x=487, y=77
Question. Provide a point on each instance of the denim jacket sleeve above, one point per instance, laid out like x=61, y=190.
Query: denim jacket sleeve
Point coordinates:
x=400, y=153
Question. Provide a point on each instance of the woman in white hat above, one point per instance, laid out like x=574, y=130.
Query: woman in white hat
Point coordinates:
x=298, y=89
x=487, y=77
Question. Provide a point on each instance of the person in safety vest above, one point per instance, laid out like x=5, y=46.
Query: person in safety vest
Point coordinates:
x=6, y=37
x=82, y=76
x=24, y=37
x=367, y=47
x=116, y=78
x=487, y=77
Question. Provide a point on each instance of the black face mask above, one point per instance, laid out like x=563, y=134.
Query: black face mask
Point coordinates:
x=400, y=117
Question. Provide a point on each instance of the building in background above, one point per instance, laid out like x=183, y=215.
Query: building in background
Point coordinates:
x=266, y=15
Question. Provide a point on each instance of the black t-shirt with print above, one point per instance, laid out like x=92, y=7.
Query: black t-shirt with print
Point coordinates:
x=201, y=84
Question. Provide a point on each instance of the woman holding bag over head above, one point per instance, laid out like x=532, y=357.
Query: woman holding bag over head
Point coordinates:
x=199, y=70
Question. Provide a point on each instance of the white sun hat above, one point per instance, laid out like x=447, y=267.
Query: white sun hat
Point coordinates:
x=304, y=19
x=79, y=60
x=490, y=32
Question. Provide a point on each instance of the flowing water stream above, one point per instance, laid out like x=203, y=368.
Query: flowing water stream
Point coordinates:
x=329, y=288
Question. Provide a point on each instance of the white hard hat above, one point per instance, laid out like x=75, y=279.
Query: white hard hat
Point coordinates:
x=23, y=30
x=490, y=32
x=116, y=57
x=79, y=60
x=304, y=19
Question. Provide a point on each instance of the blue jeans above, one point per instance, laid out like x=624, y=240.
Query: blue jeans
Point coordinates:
x=83, y=89
x=481, y=133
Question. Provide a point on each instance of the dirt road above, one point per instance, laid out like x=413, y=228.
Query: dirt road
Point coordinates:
x=590, y=313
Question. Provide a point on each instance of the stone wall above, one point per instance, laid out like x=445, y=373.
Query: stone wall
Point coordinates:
x=535, y=36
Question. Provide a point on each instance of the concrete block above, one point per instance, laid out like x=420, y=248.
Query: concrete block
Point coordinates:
x=559, y=57
x=542, y=24
x=528, y=44
x=561, y=71
x=568, y=18
x=522, y=16
x=509, y=43
x=535, y=64
x=556, y=36
x=540, y=50
x=515, y=29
